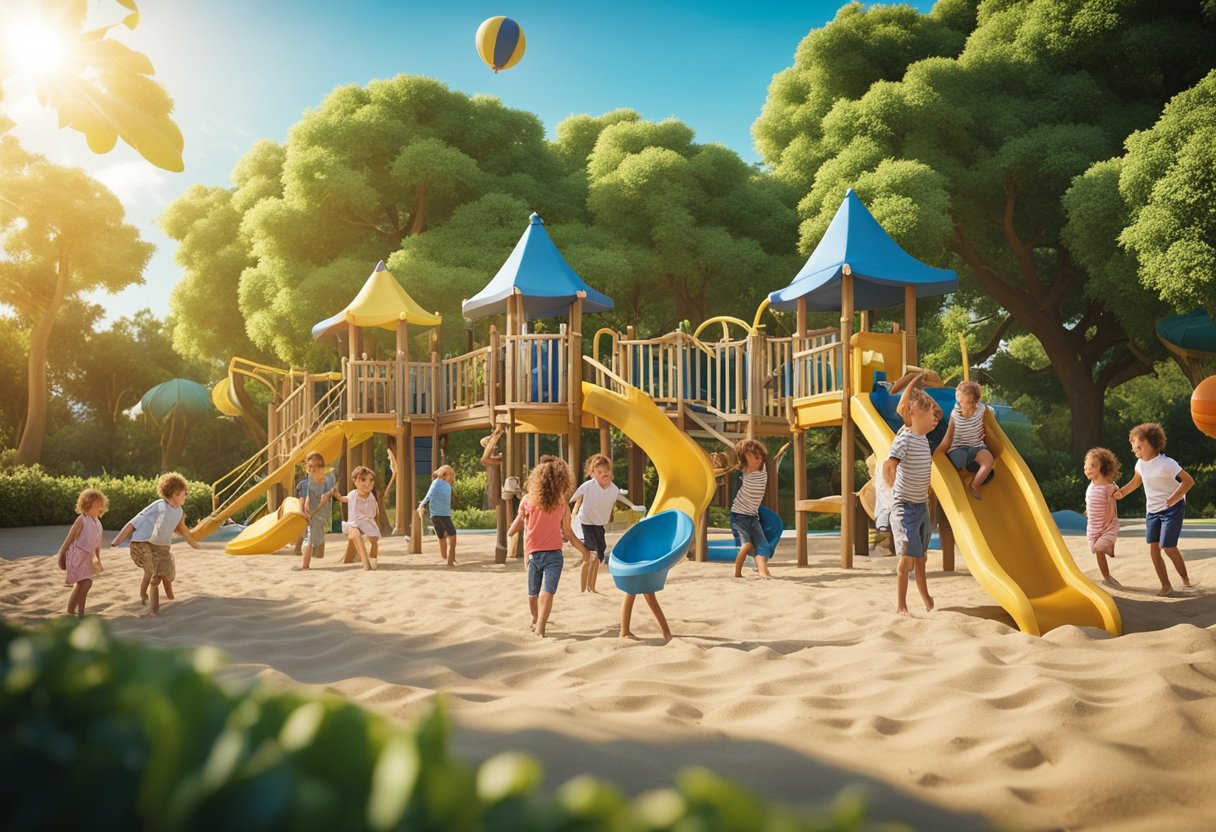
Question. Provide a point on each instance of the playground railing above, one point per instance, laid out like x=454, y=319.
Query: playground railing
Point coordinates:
x=816, y=365
x=290, y=435
x=465, y=381
x=420, y=396
x=540, y=368
x=370, y=388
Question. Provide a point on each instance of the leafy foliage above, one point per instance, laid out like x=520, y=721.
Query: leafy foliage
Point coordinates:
x=155, y=742
x=31, y=497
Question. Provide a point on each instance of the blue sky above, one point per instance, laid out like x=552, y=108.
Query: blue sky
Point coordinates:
x=242, y=70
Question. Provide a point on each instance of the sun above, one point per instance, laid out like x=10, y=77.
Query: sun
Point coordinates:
x=34, y=47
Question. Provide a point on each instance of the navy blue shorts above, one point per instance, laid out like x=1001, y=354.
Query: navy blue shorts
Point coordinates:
x=544, y=571
x=747, y=529
x=1164, y=526
x=593, y=539
x=444, y=527
x=911, y=529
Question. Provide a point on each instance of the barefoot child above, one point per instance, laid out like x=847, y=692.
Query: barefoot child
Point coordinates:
x=593, y=502
x=627, y=614
x=544, y=513
x=439, y=499
x=1101, y=516
x=82, y=547
x=745, y=510
x=362, y=515
x=319, y=486
x=1165, y=487
x=964, y=438
x=907, y=470
x=151, y=531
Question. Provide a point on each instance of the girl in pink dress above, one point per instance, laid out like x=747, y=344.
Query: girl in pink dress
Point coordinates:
x=1101, y=517
x=82, y=548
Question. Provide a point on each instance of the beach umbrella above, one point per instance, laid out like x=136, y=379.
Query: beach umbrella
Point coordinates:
x=172, y=406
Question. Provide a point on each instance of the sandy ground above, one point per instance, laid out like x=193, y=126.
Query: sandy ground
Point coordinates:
x=796, y=686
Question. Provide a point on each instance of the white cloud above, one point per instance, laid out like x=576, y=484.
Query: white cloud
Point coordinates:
x=134, y=183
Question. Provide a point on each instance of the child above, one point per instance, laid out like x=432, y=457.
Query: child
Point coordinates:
x=151, y=531
x=362, y=513
x=593, y=502
x=907, y=470
x=1164, y=499
x=81, y=547
x=745, y=510
x=965, y=435
x=439, y=498
x=545, y=514
x=1101, y=517
x=319, y=487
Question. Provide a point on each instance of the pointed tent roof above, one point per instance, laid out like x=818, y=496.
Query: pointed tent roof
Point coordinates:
x=381, y=302
x=880, y=268
x=536, y=270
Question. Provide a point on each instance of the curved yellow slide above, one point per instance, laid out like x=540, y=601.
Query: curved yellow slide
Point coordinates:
x=272, y=532
x=686, y=478
x=1009, y=540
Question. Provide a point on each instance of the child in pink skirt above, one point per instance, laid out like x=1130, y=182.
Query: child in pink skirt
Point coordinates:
x=82, y=548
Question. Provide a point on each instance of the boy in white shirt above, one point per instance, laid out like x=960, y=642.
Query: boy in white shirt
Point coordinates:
x=151, y=531
x=593, y=502
x=1165, y=487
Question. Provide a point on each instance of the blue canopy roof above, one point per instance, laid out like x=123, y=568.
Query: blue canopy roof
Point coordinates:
x=537, y=271
x=880, y=268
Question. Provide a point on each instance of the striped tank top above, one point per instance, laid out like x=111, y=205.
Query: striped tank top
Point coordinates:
x=968, y=430
x=915, y=467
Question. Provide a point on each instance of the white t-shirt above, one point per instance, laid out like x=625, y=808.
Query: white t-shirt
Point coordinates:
x=596, y=508
x=1160, y=478
x=156, y=523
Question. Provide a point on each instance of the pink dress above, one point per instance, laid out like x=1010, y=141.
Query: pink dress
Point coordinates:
x=80, y=554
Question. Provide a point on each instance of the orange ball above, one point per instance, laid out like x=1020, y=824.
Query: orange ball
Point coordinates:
x=1203, y=406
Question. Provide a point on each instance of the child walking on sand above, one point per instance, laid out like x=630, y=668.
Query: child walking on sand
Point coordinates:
x=544, y=514
x=1165, y=487
x=81, y=550
x=151, y=531
x=964, y=437
x=593, y=502
x=319, y=487
x=439, y=499
x=745, y=510
x=1101, y=516
x=907, y=470
x=362, y=513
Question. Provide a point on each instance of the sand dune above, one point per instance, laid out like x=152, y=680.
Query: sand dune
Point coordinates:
x=795, y=686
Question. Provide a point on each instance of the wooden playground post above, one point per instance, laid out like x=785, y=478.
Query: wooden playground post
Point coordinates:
x=574, y=396
x=847, y=429
x=910, y=323
x=799, y=440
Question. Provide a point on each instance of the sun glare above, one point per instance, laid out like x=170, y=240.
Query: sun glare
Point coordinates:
x=34, y=47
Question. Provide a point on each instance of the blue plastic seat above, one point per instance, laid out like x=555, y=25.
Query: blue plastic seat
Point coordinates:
x=641, y=559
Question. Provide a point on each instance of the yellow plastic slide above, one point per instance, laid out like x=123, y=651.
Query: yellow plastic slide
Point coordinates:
x=272, y=532
x=1009, y=540
x=686, y=478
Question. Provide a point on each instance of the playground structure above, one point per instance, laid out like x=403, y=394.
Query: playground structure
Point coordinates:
x=666, y=394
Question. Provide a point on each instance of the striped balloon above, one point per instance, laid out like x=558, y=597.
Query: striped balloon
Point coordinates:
x=500, y=42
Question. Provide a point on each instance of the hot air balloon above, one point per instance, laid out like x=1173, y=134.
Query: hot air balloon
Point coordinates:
x=500, y=42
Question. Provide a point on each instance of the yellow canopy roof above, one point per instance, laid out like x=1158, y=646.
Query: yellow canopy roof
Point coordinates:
x=381, y=302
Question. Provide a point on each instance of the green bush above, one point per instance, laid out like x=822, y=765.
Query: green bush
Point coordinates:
x=102, y=734
x=32, y=497
x=474, y=518
x=469, y=491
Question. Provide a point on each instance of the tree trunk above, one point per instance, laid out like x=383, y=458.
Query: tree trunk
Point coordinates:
x=29, y=449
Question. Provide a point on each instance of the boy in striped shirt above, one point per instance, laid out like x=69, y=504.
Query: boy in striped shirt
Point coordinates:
x=907, y=470
x=745, y=510
x=964, y=439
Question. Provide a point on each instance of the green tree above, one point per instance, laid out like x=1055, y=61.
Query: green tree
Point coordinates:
x=215, y=251
x=988, y=143
x=368, y=169
x=703, y=229
x=62, y=233
x=101, y=88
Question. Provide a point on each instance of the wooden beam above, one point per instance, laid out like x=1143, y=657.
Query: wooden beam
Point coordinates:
x=799, y=440
x=847, y=429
